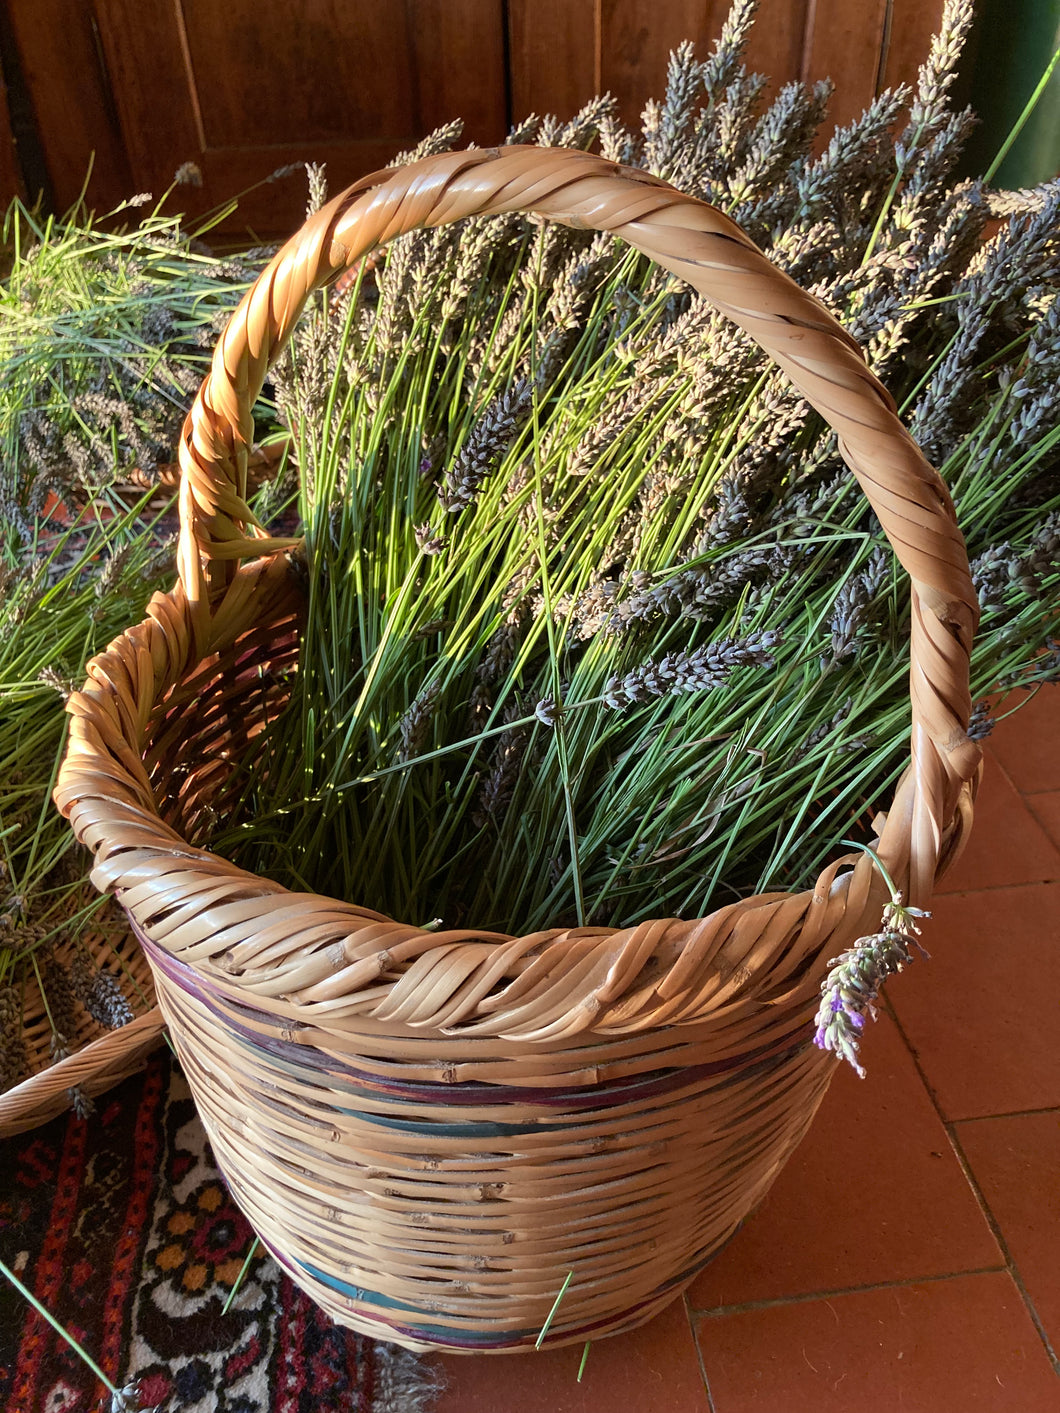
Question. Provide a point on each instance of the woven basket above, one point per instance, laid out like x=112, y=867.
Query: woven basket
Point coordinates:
x=99, y=1058
x=430, y=1130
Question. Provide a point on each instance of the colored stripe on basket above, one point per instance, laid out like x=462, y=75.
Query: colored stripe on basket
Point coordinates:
x=311, y=1065
x=469, y=1339
x=316, y=1069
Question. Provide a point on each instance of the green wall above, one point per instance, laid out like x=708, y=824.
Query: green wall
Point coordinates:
x=1010, y=47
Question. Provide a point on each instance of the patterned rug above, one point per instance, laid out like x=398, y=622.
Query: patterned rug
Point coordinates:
x=121, y=1226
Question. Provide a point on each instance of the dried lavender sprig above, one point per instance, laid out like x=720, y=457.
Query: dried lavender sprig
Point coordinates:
x=547, y=711
x=850, y=990
x=854, y=604
x=427, y=542
x=855, y=160
x=1035, y=390
x=781, y=137
x=1004, y=569
x=724, y=61
x=666, y=126
x=733, y=131
x=442, y=139
x=99, y=992
x=701, y=669
x=14, y=1060
x=415, y=724
x=1045, y=668
x=701, y=592
x=821, y=732
x=502, y=777
x=59, y=1001
x=488, y=440
x=617, y=143
x=58, y=681
x=496, y=662
x=317, y=177
x=82, y=1104
x=585, y=126
x=1023, y=201
x=981, y=723
x=936, y=77
x=991, y=298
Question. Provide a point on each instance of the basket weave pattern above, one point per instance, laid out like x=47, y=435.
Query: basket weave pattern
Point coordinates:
x=98, y=1058
x=431, y=1129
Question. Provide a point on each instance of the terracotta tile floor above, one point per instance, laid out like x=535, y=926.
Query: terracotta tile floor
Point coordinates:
x=908, y=1257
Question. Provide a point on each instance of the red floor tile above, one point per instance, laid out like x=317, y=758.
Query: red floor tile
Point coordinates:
x=981, y=1014
x=1007, y=845
x=1016, y=1162
x=965, y=1345
x=1046, y=810
x=831, y=1221
x=651, y=1370
x=1028, y=742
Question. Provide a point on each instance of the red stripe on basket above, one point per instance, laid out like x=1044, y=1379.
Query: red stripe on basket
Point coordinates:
x=39, y=1339
x=238, y=1015
x=125, y=1270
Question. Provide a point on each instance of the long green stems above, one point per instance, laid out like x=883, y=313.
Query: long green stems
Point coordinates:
x=1021, y=121
x=45, y=1314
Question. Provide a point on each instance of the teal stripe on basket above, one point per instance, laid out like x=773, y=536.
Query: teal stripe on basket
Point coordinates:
x=486, y=1128
x=458, y=1339
x=442, y=1333
x=467, y=1339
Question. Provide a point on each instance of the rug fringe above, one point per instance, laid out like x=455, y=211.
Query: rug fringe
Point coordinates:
x=405, y=1382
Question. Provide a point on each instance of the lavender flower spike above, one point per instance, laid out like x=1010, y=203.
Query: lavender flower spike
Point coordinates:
x=851, y=988
x=701, y=669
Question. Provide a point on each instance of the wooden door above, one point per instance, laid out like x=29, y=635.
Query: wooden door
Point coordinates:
x=243, y=88
x=565, y=51
x=233, y=90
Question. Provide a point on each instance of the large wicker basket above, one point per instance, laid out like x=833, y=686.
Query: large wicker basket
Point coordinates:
x=430, y=1130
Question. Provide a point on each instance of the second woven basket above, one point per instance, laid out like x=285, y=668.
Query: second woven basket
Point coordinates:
x=432, y=1130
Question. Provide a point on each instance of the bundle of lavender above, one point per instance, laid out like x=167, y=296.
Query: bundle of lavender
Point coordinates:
x=64, y=976
x=104, y=335
x=600, y=627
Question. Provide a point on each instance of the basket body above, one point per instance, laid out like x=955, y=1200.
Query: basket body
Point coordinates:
x=432, y=1130
x=418, y=1197
x=434, y=1188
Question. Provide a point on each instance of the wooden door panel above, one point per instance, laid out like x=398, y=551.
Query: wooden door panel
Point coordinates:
x=554, y=56
x=10, y=172
x=636, y=39
x=844, y=43
x=239, y=88
x=565, y=51
x=143, y=43
x=249, y=87
x=459, y=66
x=911, y=26
x=320, y=72
x=778, y=41
x=67, y=86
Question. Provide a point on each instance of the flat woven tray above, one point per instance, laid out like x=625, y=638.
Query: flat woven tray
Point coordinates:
x=430, y=1130
x=98, y=1057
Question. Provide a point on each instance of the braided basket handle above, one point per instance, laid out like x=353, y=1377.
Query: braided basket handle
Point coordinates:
x=710, y=252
